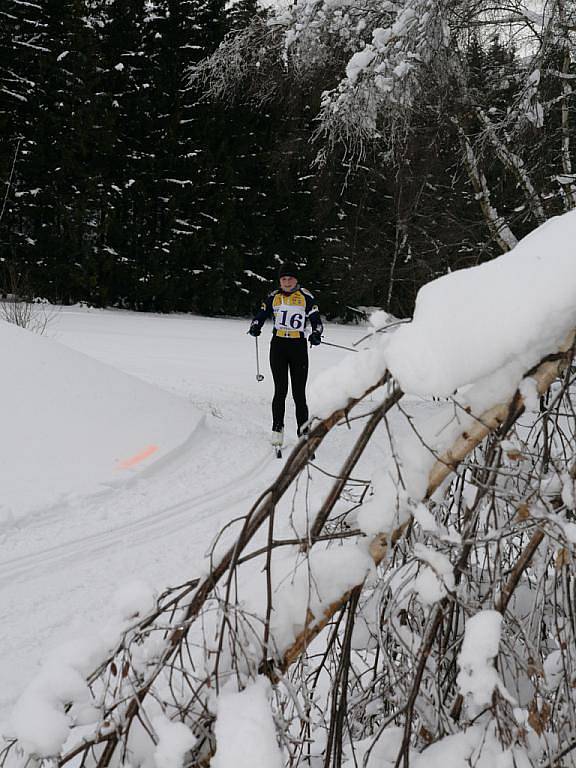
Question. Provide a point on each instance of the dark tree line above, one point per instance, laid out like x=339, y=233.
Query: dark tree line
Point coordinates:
x=123, y=185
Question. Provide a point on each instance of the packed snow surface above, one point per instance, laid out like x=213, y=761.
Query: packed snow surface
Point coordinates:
x=86, y=543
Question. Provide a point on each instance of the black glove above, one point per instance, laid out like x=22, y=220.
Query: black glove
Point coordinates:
x=315, y=338
x=254, y=330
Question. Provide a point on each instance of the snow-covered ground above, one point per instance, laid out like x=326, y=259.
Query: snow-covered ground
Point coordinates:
x=131, y=440
x=108, y=477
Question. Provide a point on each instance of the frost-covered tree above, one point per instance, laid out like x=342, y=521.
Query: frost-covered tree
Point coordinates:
x=396, y=66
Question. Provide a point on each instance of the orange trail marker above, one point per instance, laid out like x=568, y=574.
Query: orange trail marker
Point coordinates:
x=133, y=460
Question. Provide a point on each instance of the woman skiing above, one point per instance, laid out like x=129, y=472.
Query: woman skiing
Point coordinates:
x=291, y=307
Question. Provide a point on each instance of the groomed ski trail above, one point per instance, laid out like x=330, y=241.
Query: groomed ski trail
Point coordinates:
x=161, y=522
x=162, y=536
x=59, y=567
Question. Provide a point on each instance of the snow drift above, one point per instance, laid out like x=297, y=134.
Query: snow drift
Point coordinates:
x=73, y=426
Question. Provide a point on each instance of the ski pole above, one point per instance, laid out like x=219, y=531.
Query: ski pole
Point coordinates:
x=350, y=349
x=259, y=376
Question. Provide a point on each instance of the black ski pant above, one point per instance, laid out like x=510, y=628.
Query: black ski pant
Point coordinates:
x=289, y=355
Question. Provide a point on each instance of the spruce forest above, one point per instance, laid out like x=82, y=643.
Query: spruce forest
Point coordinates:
x=132, y=177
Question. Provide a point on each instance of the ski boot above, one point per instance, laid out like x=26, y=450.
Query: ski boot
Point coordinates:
x=277, y=440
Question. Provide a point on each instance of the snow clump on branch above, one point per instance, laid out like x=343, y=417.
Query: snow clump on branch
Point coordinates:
x=474, y=336
x=59, y=698
x=478, y=330
x=245, y=731
x=478, y=677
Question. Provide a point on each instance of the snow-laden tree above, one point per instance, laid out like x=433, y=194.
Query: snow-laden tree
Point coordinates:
x=390, y=66
x=423, y=616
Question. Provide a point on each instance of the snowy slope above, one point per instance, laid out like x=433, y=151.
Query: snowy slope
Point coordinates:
x=74, y=426
x=60, y=566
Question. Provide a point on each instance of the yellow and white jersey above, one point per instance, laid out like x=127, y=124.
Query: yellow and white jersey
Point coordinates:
x=291, y=313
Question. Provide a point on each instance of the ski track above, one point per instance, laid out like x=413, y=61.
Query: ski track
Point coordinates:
x=84, y=569
x=160, y=522
x=61, y=565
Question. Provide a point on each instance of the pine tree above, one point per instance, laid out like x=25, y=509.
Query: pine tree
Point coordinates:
x=20, y=26
x=49, y=170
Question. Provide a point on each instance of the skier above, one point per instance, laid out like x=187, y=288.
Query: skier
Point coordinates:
x=291, y=307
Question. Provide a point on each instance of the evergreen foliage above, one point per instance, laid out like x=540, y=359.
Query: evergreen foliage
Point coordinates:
x=123, y=185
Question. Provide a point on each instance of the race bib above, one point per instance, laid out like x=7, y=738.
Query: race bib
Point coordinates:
x=289, y=318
